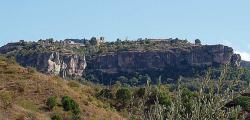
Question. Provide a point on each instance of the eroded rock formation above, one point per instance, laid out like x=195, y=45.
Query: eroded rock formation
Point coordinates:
x=55, y=63
x=179, y=58
x=173, y=57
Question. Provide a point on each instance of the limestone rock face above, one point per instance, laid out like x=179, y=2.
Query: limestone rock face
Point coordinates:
x=236, y=60
x=179, y=58
x=174, y=57
x=55, y=63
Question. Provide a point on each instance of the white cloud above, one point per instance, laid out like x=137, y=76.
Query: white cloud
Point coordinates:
x=244, y=55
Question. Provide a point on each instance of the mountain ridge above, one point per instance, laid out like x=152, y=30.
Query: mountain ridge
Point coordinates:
x=75, y=58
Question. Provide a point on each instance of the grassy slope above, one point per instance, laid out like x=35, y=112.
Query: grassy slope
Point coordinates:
x=30, y=89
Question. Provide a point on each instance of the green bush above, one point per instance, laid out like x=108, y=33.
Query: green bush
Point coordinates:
x=69, y=104
x=105, y=93
x=66, y=103
x=56, y=117
x=187, y=99
x=140, y=93
x=75, y=108
x=124, y=95
x=243, y=101
x=164, y=99
x=51, y=102
x=160, y=97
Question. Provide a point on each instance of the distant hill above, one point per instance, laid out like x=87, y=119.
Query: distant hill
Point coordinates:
x=104, y=62
x=23, y=94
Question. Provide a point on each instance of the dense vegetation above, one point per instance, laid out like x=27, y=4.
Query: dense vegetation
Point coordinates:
x=157, y=102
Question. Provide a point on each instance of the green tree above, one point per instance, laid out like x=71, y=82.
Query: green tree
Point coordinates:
x=51, y=102
x=93, y=41
x=198, y=42
x=124, y=95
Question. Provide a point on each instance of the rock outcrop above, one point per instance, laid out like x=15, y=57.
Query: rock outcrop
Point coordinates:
x=178, y=58
x=55, y=63
x=157, y=57
x=236, y=60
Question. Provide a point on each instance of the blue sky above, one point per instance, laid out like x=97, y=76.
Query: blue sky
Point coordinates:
x=212, y=21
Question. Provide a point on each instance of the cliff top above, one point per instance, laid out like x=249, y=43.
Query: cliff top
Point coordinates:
x=98, y=46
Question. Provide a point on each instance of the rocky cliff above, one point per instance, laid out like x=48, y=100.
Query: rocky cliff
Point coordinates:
x=55, y=63
x=168, y=57
x=173, y=60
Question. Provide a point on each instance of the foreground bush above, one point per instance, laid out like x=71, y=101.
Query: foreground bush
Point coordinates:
x=51, y=102
x=124, y=95
x=70, y=105
x=67, y=103
x=105, y=93
x=243, y=101
x=208, y=103
x=56, y=117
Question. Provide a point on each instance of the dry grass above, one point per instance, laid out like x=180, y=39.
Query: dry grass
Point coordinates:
x=31, y=89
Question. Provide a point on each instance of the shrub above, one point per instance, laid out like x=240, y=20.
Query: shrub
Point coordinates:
x=204, y=105
x=105, y=93
x=243, y=101
x=70, y=104
x=51, y=102
x=161, y=97
x=6, y=98
x=56, y=116
x=124, y=95
x=140, y=93
x=164, y=99
x=75, y=108
x=66, y=103
x=186, y=98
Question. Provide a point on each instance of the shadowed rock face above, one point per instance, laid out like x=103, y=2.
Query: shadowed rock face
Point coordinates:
x=55, y=63
x=179, y=58
x=173, y=59
x=236, y=60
